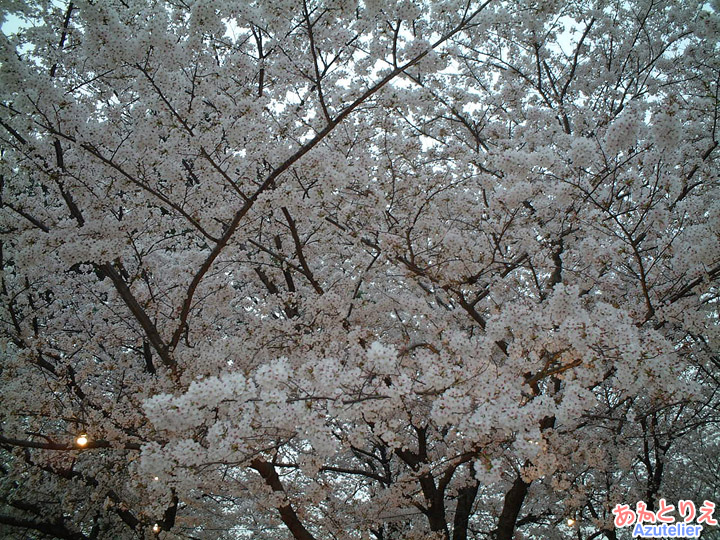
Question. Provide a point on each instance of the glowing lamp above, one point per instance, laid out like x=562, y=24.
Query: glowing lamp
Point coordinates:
x=570, y=522
x=156, y=528
x=82, y=439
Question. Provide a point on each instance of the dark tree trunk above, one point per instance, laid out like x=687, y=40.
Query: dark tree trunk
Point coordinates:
x=511, y=509
x=466, y=498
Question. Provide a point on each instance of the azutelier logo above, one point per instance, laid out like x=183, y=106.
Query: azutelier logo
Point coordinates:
x=661, y=524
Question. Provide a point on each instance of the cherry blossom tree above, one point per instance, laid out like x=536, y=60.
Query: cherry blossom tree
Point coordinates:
x=328, y=269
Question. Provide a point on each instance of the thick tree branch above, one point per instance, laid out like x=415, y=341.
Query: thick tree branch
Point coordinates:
x=147, y=325
x=91, y=444
x=287, y=513
x=54, y=530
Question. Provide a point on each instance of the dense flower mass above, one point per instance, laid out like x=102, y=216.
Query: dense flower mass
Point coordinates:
x=360, y=270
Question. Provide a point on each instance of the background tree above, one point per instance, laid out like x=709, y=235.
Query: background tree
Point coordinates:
x=316, y=269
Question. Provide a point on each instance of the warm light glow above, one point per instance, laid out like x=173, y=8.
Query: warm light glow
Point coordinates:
x=82, y=439
x=156, y=528
x=570, y=522
x=156, y=478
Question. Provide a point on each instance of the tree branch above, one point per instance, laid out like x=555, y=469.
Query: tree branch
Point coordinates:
x=287, y=513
